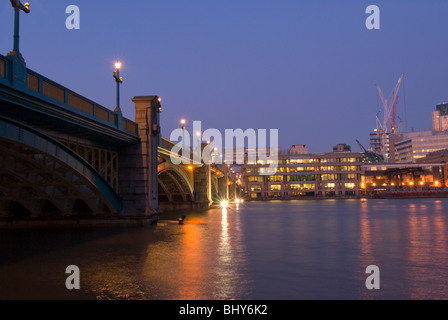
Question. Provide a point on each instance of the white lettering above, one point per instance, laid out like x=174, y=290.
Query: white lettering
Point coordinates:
x=73, y=21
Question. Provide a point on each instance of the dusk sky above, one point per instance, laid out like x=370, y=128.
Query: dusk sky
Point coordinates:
x=307, y=68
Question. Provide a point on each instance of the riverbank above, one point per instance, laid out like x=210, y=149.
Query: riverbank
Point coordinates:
x=417, y=194
x=117, y=221
x=73, y=222
x=411, y=194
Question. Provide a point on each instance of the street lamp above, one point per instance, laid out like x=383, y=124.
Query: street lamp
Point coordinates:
x=17, y=7
x=214, y=154
x=118, y=80
x=182, y=125
x=198, y=135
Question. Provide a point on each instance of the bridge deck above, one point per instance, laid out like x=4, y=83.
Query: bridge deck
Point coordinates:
x=44, y=103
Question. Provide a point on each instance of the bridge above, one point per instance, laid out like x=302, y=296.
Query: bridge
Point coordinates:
x=64, y=156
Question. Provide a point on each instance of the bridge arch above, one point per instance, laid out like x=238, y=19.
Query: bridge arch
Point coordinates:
x=175, y=185
x=40, y=177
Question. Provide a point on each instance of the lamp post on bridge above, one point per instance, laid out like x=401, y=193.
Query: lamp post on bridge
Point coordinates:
x=182, y=125
x=18, y=74
x=17, y=7
x=118, y=80
x=198, y=154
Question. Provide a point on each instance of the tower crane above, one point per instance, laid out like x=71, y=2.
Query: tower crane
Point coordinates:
x=390, y=109
x=390, y=116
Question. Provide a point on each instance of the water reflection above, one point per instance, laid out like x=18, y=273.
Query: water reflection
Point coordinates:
x=192, y=270
x=365, y=257
x=426, y=251
x=224, y=281
x=407, y=240
x=204, y=259
x=230, y=258
x=286, y=250
x=366, y=235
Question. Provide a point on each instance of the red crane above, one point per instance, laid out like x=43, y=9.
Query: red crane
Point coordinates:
x=390, y=109
x=390, y=117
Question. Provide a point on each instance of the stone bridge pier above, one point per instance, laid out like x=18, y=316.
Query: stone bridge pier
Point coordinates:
x=138, y=181
x=202, y=187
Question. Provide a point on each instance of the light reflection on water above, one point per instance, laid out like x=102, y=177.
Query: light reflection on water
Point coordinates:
x=261, y=250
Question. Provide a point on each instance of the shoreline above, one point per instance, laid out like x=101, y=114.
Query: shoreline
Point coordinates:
x=79, y=222
x=418, y=194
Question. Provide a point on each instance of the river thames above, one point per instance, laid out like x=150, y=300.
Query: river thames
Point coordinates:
x=279, y=250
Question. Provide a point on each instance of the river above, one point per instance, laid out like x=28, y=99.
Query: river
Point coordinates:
x=259, y=250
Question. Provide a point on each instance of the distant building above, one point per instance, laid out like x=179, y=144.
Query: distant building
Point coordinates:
x=379, y=143
x=427, y=175
x=298, y=149
x=436, y=156
x=335, y=174
x=237, y=155
x=440, y=118
x=440, y=173
x=410, y=146
x=342, y=147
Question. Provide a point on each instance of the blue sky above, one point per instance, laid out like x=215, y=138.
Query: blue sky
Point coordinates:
x=307, y=68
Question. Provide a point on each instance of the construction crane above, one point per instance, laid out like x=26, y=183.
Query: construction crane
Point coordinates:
x=389, y=117
x=369, y=156
x=390, y=109
x=361, y=146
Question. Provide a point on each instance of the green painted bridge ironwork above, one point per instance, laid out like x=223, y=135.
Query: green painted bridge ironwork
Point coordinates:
x=47, y=168
x=63, y=154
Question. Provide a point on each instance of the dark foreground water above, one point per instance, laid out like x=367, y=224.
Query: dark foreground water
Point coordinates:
x=262, y=250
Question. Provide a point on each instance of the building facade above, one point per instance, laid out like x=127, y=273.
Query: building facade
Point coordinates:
x=425, y=175
x=408, y=147
x=380, y=143
x=440, y=117
x=335, y=174
x=411, y=146
x=298, y=149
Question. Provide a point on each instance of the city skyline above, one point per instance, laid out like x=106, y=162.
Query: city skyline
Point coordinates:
x=307, y=69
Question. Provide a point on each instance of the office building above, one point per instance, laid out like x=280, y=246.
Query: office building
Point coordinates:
x=335, y=174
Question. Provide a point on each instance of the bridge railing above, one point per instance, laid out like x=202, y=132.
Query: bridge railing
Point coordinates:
x=44, y=87
x=166, y=147
x=167, y=144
